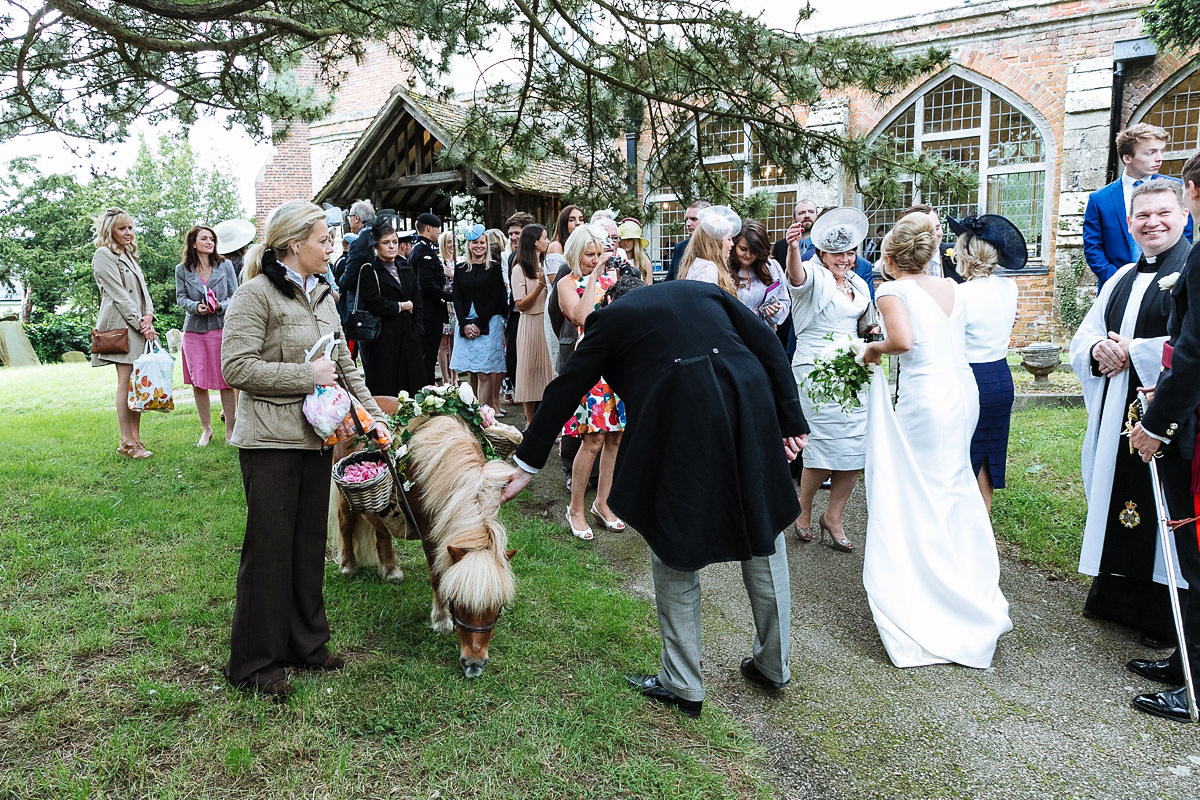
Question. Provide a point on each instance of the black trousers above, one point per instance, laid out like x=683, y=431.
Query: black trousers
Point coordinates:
x=279, y=619
x=430, y=343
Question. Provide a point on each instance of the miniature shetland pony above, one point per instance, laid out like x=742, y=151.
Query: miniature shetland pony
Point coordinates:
x=454, y=494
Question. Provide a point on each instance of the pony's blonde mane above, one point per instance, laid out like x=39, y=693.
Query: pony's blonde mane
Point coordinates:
x=460, y=492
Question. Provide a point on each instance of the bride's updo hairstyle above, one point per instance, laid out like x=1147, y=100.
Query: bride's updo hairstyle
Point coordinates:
x=976, y=257
x=910, y=244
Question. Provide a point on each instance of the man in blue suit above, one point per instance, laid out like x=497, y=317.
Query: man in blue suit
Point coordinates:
x=1107, y=243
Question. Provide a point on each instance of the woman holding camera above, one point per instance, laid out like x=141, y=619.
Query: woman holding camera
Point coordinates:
x=600, y=418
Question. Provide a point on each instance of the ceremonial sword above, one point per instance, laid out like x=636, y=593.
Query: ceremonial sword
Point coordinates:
x=1166, y=540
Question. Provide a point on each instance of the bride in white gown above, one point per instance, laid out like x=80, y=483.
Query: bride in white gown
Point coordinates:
x=930, y=565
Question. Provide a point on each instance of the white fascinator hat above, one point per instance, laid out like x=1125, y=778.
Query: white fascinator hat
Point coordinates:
x=720, y=221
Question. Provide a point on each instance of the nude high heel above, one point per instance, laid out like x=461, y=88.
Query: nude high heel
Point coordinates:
x=843, y=544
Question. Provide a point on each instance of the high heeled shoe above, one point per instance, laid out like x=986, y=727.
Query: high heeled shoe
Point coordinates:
x=616, y=525
x=585, y=533
x=843, y=544
x=804, y=534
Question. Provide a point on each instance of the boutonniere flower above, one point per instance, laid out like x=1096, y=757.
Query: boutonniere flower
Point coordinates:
x=1165, y=283
x=950, y=254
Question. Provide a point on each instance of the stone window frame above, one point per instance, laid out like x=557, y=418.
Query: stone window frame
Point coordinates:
x=670, y=212
x=1176, y=153
x=990, y=88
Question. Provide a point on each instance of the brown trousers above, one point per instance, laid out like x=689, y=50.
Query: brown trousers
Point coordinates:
x=279, y=619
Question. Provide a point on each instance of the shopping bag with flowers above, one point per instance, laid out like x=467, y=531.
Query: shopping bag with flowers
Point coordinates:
x=151, y=386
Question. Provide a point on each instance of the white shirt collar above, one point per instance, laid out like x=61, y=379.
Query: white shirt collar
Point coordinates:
x=307, y=284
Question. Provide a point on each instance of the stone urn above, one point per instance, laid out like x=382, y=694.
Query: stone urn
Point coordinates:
x=1039, y=360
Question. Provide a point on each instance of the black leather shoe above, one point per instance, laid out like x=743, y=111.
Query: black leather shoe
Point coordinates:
x=1171, y=705
x=752, y=673
x=1162, y=671
x=1157, y=644
x=326, y=663
x=649, y=686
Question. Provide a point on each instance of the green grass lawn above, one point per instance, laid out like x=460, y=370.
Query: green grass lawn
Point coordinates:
x=116, y=592
x=1043, y=509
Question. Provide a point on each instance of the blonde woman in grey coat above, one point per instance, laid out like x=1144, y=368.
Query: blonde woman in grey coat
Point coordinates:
x=124, y=301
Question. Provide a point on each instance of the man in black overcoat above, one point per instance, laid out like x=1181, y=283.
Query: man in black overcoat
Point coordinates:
x=702, y=473
x=1170, y=422
x=431, y=278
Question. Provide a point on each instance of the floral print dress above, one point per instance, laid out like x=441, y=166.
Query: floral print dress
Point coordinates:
x=600, y=411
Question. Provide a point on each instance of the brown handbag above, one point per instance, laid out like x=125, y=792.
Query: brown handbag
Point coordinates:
x=110, y=342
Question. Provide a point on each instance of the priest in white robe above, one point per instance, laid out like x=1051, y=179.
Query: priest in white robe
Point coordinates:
x=1116, y=351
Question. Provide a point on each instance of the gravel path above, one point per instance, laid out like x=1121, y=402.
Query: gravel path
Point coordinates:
x=1050, y=719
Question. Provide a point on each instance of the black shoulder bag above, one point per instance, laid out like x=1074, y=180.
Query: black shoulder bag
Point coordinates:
x=361, y=325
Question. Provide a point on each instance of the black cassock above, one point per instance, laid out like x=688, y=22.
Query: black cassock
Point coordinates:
x=1125, y=590
x=709, y=394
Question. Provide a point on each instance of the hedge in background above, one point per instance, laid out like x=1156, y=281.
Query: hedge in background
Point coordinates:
x=55, y=336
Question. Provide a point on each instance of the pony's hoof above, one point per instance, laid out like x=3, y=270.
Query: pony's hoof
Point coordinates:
x=472, y=667
x=445, y=625
x=349, y=570
x=394, y=575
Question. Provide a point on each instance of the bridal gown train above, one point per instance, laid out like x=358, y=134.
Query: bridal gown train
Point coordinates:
x=930, y=565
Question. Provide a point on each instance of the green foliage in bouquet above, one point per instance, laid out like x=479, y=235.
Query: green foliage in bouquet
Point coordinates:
x=837, y=378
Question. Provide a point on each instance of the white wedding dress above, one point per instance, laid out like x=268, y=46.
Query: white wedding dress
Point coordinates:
x=930, y=565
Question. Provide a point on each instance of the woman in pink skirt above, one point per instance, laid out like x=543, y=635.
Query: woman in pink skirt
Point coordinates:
x=203, y=285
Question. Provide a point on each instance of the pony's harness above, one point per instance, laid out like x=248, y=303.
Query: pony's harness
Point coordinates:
x=458, y=623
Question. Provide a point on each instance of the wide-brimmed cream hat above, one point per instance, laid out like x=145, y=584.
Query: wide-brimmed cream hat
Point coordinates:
x=839, y=230
x=631, y=229
x=233, y=235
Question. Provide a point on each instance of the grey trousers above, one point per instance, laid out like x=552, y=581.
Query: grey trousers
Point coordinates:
x=677, y=597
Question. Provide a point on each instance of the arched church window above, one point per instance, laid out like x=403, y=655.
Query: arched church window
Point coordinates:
x=1178, y=112
x=974, y=127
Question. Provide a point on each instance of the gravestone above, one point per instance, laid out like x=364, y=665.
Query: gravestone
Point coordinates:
x=74, y=357
x=15, y=349
x=174, y=340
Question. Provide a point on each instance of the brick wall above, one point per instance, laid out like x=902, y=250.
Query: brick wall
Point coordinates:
x=306, y=159
x=1056, y=56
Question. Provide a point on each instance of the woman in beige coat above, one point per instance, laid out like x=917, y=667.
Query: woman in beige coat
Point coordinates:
x=281, y=309
x=124, y=301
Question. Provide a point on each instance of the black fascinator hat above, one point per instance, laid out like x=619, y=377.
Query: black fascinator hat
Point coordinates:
x=999, y=233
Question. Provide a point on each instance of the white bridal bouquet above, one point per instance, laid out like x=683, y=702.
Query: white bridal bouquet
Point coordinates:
x=838, y=374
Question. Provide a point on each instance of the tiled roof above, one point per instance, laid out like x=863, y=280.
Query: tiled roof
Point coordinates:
x=550, y=175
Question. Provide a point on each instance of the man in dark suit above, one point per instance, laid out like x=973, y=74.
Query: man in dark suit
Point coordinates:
x=1107, y=242
x=1171, y=421
x=702, y=472
x=804, y=214
x=431, y=279
x=691, y=218
x=361, y=219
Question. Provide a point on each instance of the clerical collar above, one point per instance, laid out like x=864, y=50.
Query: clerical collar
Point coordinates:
x=1147, y=263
